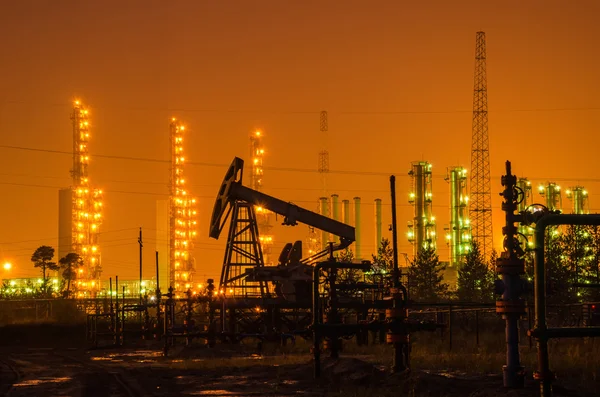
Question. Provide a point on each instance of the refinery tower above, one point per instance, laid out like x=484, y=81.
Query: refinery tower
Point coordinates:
x=176, y=223
x=80, y=210
x=458, y=232
x=421, y=231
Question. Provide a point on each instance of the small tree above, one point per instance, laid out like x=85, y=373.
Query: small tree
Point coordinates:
x=426, y=278
x=70, y=263
x=42, y=258
x=475, y=279
x=347, y=275
x=383, y=262
x=558, y=275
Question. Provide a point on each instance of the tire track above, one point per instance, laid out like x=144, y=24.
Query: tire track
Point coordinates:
x=7, y=386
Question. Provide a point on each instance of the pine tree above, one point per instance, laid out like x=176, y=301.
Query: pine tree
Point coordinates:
x=475, y=279
x=593, y=270
x=382, y=263
x=558, y=275
x=347, y=275
x=425, y=276
x=576, y=247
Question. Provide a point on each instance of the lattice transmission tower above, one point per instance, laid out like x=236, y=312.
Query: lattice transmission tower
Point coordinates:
x=315, y=241
x=324, y=153
x=480, y=210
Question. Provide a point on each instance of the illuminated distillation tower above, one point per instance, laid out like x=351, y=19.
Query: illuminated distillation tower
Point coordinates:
x=553, y=201
x=458, y=232
x=525, y=185
x=87, y=205
x=263, y=217
x=182, y=217
x=421, y=231
x=552, y=195
x=579, y=199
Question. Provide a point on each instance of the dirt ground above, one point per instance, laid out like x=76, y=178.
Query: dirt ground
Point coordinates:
x=41, y=363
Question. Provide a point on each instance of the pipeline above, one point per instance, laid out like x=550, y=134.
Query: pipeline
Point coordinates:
x=317, y=326
x=541, y=332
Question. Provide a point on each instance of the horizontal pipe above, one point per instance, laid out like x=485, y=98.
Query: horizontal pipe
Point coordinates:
x=567, y=332
x=541, y=327
x=540, y=273
x=585, y=285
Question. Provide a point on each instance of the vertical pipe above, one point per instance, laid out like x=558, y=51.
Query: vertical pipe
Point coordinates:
x=454, y=231
x=346, y=211
x=357, y=226
x=512, y=371
x=335, y=209
x=157, y=283
x=141, y=246
x=394, y=229
x=378, y=234
x=419, y=216
x=324, y=210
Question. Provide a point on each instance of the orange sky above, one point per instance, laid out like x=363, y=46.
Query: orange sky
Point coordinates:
x=395, y=76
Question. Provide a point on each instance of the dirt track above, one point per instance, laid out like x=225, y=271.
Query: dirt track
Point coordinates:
x=77, y=372
x=29, y=367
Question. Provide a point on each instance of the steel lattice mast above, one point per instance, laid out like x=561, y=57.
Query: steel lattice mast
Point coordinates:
x=480, y=210
x=316, y=242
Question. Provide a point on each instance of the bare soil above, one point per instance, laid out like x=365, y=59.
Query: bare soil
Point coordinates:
x=41, y=361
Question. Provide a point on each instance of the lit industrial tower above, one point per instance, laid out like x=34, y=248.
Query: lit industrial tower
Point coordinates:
x=317, y=243
x=182, y=217
x=324, y=153
x=421, y=231
x=480, y=210
x=525, y=186
x=458, y=232
x=579, y=199
x=552, y=193
x=263, y=217
x=86, y=205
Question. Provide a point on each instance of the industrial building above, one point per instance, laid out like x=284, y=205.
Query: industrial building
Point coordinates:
x=458, y=231
x=551, y=192
x=579, y=200
x=80, y=209
x=182, y=217
x=263, y=217
x=422, y=229
x=524, y=185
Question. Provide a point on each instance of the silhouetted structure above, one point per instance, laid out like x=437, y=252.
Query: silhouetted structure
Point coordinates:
x=480, y=210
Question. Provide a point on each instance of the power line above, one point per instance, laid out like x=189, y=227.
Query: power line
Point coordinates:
x=304, y=112
x=281, y=169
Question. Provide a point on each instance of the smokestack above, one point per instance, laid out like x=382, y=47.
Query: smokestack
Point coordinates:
x=377, y=224
x=357, y=226
x=335, y=209
x=346, y=211
x=324, y=210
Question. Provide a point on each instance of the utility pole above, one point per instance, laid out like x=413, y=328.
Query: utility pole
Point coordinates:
x=141, y=246
x=480, y=210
